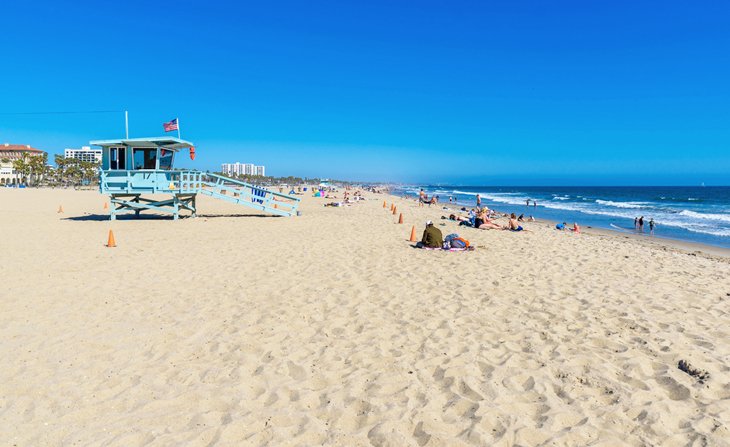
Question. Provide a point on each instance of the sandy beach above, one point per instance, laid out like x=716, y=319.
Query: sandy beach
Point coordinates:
x=234, y=329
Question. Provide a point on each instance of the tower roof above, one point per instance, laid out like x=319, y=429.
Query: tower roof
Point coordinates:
x=174, y=144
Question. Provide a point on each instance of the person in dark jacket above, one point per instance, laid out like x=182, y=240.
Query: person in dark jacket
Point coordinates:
x=432, y=237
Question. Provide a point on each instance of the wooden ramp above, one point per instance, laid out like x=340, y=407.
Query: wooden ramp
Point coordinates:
x=126, y=189
x=242, y=193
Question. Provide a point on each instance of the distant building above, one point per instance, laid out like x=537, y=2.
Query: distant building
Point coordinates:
x=232, y=168
x=242, y=169
x=86, y=153
x=8, y=154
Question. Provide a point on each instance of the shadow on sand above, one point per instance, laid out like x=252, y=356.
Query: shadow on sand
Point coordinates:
x=105, y=217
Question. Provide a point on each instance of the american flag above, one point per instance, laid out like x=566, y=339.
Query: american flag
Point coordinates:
x=169, y=127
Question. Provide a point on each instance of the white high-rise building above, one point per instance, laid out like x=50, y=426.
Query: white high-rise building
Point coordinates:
x=238, y=168
x=86, y=153
x=232, y=168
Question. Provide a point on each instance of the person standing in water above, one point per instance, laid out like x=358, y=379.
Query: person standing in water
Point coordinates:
x=636, y=223
x=641, y=223
x=479, y=202
x=651, y=226
x=534, y=203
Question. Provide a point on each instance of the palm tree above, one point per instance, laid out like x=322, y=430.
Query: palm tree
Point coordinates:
x=21, y=167
x=73, y=171
x=88, y=169
x=38, y=167
x=60, y=161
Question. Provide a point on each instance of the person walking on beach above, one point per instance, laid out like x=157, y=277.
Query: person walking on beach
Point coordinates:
x=651, y=226
x=479, y=201
x=641, y=224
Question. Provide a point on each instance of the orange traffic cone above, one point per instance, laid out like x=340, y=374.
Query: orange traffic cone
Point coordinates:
x=413, y=234
x=60, y=209
x=400, y=219
x=391, y=207
x=383, y=203
x=395, y=210
x=111, y=242
x=106, y=205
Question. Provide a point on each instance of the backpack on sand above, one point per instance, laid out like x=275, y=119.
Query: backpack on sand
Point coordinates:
x=459, y=242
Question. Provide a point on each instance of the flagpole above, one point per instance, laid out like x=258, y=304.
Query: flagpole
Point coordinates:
x=126, y=122
x=178, y=129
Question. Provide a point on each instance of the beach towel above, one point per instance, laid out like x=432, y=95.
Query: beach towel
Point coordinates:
x=449, y=249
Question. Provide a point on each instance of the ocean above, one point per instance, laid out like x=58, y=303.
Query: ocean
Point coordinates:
x=688, y=213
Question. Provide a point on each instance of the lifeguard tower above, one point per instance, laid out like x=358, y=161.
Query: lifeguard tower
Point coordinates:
x=131, y=168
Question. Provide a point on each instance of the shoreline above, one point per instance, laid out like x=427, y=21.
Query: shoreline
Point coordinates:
x=683, y=214
x=688, y=247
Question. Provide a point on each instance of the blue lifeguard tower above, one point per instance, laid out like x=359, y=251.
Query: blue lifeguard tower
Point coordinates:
x=131, y=168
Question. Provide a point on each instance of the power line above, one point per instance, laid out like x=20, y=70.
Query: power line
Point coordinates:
x=62, y=113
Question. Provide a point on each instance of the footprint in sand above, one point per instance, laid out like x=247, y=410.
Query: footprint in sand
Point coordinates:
x=675, y=390
x=466, y=391
x=421, y=436
x=273, y=398
x=529, y=384
x=296, y=372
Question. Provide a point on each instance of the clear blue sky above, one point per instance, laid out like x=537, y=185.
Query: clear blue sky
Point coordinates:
x=509, y=92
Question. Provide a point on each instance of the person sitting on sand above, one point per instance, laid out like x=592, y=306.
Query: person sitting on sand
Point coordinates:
x=521, y=218
x=560, y=226
x=512, y=224
x=576, y=228
x=483, y=223
x=432, y=237
x=478, y=219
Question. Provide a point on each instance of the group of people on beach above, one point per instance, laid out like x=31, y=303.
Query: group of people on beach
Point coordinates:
x=484, y=219
x=424, y=200
x=639, y=224
x=480, y=217
x=347, y=197
x=564, y=226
